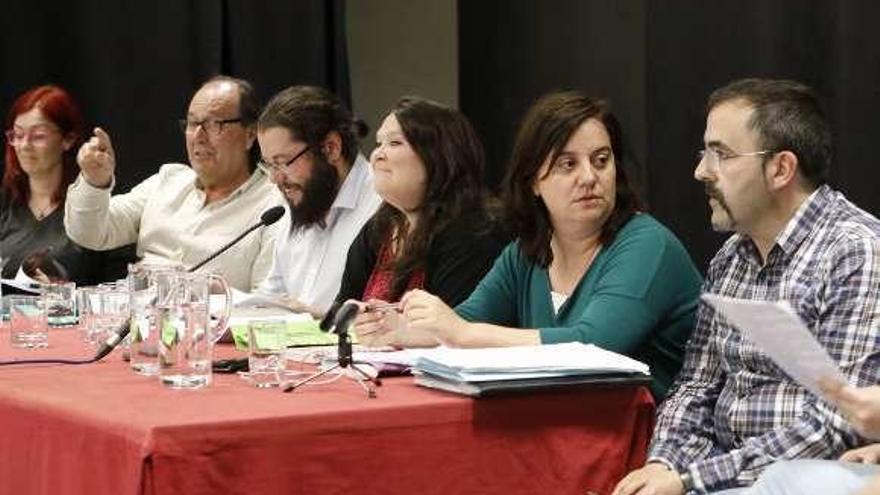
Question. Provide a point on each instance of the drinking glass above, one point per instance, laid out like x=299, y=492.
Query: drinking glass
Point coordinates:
x=267, y=341
x=110, y=310
x=27, y=322
x=86, y=306
x=60, y=301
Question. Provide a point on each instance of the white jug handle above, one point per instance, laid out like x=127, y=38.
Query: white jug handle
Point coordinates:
x=222, y=325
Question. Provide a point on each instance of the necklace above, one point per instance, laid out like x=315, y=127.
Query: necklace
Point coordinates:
x=41, y=213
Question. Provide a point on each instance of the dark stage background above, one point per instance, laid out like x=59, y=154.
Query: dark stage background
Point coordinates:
x=133, y=65
x=657, y=61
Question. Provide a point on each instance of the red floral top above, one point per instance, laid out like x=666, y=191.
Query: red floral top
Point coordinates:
x=379, y=285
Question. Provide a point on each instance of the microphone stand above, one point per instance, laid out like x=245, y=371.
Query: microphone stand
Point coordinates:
x=343, y=360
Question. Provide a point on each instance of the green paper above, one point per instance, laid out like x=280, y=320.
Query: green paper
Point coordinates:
x=299, y=334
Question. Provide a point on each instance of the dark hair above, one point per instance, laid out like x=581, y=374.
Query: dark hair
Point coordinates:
x=58, y=106
x=311, y=113
x=787, y=117
x=546, y=128
x=448, y=146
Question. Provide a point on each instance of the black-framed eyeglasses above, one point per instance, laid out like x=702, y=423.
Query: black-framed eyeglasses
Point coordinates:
x=212, y=126
x=271, y=168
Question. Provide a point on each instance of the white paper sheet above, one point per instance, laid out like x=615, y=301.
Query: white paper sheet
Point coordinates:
x=23, y=282
x=779, y=332
x=405, y=357
x=248, y=300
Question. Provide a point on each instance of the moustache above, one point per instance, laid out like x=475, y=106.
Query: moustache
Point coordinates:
x=290, y=185
x=712, y=192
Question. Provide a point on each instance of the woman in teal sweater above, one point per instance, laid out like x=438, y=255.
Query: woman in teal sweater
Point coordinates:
x=587, y=266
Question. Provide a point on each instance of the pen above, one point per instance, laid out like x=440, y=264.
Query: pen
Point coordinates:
x=383, y=307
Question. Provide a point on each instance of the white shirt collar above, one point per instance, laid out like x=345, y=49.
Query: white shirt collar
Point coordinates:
x=347, y=197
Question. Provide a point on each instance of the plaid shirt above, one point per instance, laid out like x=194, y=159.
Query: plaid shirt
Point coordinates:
x=732, y=412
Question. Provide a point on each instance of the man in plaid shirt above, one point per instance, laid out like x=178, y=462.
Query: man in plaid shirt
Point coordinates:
x=732, y=412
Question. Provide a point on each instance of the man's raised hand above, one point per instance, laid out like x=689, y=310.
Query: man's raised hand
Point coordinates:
x=97, y=160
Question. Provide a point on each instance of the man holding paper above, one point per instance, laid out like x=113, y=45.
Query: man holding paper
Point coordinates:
x=732, y=412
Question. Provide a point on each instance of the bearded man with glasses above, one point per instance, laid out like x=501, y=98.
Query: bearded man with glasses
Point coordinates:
x=309, y=145
x=732, y=412
x=183, y=213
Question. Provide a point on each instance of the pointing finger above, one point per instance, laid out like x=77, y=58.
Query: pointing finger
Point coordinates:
x=103, y=140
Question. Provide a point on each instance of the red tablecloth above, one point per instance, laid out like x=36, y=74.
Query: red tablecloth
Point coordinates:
x=101, y=429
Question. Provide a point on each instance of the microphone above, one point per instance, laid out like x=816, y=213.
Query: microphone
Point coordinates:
x=268, y=217
x=329, y=318
x=114, y=339
x=344, y=317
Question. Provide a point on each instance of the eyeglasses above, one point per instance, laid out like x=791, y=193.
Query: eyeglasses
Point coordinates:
x=271, y=168
x=38, y=136
x=714, y=157
x=211, y=126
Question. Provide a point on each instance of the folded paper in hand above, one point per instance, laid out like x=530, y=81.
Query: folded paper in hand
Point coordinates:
x=777, y=329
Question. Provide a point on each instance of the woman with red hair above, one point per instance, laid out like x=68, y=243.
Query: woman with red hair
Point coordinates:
x=44, y=129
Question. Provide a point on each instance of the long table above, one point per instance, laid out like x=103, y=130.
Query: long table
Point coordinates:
x=101, y=429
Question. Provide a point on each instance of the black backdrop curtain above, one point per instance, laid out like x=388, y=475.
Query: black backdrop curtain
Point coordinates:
x=657, y=60
x=133, y=65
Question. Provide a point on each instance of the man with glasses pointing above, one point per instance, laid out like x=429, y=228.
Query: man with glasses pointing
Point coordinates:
x=309, y=145
x=183, y=213
x=732, y=412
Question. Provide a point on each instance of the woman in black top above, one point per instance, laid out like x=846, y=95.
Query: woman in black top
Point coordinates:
x=433, y=230
x=44, y=129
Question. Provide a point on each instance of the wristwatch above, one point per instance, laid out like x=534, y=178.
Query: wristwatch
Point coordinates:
x=687, y=482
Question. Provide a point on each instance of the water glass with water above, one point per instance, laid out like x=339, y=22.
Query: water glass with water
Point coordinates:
x=86, y=305
x=60, y=301
x=110, y=310
x=267, y=341
x=28, y=328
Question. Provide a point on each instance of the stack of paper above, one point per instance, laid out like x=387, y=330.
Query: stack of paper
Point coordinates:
x=483, y=371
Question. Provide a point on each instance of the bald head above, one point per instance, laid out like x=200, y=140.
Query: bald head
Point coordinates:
x=219, y=137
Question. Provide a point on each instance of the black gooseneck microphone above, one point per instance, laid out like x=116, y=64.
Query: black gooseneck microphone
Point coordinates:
x=268, y=217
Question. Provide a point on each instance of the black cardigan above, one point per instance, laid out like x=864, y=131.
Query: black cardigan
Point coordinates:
x=458, y=258
x=21, y=236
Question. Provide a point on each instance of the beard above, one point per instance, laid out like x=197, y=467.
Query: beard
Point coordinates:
x=318, y=195
x=727, y=224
